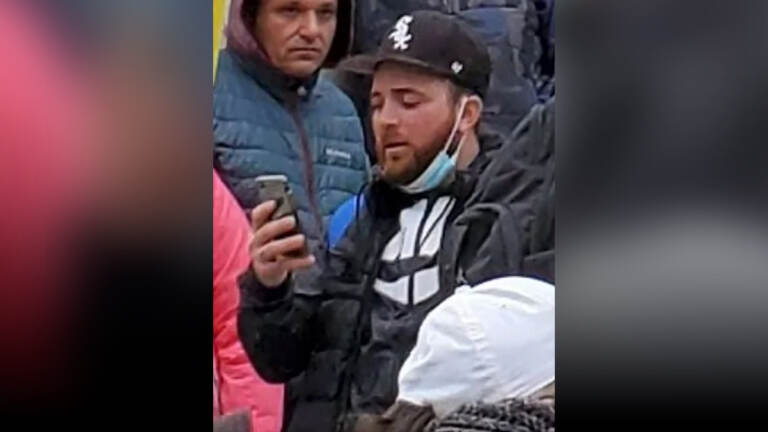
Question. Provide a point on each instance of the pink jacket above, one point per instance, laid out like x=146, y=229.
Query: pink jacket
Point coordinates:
x=237, y=386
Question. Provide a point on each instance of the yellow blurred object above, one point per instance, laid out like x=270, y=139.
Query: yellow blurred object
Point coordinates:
x=220, y=8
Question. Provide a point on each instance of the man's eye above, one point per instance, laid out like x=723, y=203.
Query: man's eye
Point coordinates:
x=410, y=103
x=289, y=11
x=326, y=14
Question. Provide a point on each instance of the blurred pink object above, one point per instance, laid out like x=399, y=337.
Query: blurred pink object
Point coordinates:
x=236, y=384
x=42, y=154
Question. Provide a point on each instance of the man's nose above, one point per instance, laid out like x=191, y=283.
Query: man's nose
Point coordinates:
x=388, y=115
x=310, y=27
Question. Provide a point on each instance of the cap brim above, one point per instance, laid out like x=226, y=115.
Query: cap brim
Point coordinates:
x=366, y=64
x=363, y=64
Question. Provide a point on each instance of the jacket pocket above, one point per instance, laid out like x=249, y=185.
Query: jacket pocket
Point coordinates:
x=375, y=380
x=323, y=376
x=339, y=321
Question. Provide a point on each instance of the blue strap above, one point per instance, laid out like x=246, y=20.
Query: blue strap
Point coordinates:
x=341, y=219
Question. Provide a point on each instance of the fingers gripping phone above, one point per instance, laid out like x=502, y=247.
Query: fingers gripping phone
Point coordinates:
x=276, y=188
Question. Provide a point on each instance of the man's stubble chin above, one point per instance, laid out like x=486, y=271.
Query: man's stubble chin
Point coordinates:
x=401, y=172
x=411, y=166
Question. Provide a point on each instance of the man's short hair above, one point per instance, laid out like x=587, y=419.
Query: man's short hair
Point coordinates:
x=457, y=92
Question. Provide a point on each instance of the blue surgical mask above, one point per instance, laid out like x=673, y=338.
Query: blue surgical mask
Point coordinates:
x=442, y=166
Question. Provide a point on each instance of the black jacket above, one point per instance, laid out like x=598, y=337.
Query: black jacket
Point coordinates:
x=338, y=342
x=511, y=215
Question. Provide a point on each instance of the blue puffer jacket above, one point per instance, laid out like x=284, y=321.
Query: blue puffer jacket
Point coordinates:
x=259, y=116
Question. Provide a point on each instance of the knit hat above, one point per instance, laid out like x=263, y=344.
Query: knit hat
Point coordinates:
x=508, y=415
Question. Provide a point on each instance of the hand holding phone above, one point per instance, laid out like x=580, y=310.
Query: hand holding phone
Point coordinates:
x=278, y=247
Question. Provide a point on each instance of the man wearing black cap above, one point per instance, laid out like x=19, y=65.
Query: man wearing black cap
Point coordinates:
x=429, y=78
x=340, y=343
x=519, y=37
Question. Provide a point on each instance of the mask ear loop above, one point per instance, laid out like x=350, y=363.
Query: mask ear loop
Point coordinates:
x=453, y=150
x=451, y=147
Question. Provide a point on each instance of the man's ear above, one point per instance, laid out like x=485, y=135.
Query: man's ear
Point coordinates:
x=473, y=110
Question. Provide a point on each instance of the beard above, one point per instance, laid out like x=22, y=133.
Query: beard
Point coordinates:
x=411, y=161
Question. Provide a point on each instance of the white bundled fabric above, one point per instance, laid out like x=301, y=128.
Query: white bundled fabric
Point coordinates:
x=487, y=343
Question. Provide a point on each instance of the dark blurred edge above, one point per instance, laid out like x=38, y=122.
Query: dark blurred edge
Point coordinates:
x=661, y=238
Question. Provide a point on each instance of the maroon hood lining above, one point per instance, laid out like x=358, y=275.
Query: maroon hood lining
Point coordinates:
x=240, y=38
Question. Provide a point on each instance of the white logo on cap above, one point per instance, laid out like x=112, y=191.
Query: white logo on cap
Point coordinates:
x=400, y=35
x=456, y=67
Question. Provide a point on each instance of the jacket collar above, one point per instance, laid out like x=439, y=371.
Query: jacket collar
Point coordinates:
x=282, y=87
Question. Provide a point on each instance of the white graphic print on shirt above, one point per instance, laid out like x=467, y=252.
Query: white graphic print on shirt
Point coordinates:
x=404, y=244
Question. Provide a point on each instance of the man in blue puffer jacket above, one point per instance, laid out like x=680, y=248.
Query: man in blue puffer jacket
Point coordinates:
x=273, y=114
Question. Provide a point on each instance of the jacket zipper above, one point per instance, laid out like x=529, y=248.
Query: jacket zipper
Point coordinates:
x=309, y=165
x=364, y=314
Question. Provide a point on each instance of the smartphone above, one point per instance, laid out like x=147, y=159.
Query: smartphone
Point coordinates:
x=276, y=188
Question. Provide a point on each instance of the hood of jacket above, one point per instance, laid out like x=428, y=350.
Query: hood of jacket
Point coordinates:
x=523, y=162
x=241, y=40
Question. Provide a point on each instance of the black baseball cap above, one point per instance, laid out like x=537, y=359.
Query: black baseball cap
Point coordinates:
x=436, y=42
